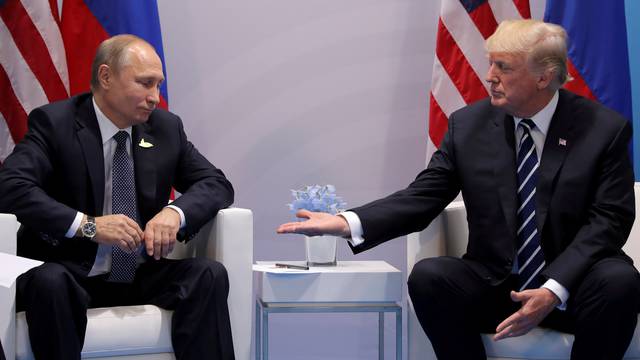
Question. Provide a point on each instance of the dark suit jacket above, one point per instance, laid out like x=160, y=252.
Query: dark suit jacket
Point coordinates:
x=58, y=169
x=584, y=202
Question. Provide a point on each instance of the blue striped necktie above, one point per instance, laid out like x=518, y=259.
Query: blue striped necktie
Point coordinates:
x=123, y=197
x=530, y=256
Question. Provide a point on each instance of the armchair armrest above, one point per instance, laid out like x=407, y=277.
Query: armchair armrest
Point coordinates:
x=451, y=225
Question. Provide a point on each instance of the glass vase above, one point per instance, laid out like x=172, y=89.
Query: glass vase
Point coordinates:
x=321, y=250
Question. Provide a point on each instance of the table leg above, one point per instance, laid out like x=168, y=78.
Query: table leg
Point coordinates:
x=399, y=334
x=381, y=335
x=265, y=334
x=257, y=339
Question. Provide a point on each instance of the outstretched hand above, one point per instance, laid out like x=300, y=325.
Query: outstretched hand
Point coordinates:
x=317, y=223
x=536, y=305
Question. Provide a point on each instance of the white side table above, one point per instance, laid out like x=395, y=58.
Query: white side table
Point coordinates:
x=350, y=286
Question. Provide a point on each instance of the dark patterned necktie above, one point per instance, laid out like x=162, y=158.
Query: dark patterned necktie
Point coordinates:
x=123, y=196
x=530, y=256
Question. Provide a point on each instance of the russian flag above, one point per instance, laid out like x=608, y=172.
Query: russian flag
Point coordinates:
x=86, y=23
x=599, y=50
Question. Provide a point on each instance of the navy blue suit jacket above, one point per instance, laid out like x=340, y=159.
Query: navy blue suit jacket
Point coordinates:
x=58, y=169
x=584, y=202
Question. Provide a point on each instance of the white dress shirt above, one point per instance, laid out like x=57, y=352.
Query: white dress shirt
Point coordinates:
x=102, y=263
x=542, y=120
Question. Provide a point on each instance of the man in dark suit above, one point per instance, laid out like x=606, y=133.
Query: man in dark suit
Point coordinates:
x=545, y=233
x=90, y=184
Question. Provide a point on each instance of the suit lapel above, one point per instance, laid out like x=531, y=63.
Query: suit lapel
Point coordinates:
x=144, y=151
x=556, y=145
x=91, y=142
x=503, y=141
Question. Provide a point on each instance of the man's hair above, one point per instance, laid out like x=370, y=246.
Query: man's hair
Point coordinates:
x=544, y=44
x=112, y=52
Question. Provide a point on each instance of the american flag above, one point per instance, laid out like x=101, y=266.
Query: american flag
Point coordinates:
x=461, y=63
x=33, y=66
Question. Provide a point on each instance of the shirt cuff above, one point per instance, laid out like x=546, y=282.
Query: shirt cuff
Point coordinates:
x=73, y=229
x=355, y=226
x=183, y=221
x=560, y=291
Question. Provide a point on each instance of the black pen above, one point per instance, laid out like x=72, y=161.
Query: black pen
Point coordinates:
x=291, y=266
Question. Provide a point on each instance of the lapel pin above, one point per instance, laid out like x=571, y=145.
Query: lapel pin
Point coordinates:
x=144, y=144
x=562, y=142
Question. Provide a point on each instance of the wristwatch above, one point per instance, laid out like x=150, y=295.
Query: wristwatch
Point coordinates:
x=89, y=228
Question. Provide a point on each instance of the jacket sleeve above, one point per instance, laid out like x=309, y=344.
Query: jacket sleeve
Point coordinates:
x=204, y=188
x=24, y=176
x=413, y=208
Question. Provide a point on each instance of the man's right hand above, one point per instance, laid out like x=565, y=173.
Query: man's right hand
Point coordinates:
x=317, y=223
x=118, y=230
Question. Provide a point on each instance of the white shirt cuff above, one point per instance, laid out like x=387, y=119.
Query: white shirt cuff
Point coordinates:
x=73, y=229
x=355, y=226
x=560, y=291
x=183, y=221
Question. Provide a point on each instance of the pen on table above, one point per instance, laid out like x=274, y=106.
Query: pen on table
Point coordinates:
x=291, y=266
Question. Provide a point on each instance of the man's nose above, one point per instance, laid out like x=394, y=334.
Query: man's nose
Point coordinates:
x=491, y=75
x=154, y=96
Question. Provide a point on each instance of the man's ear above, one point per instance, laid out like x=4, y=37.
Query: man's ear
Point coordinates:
x=545, y=78
x=105, y=76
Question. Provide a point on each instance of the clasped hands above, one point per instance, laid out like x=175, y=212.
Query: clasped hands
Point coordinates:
x=159, y=235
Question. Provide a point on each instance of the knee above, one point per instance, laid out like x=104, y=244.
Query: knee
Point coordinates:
x=48, y=278
x=621, y=285
x=48, y=283
x=424, y=278
x=212, y=273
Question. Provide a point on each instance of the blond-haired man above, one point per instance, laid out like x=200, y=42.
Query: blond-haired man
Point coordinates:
x=548, y=187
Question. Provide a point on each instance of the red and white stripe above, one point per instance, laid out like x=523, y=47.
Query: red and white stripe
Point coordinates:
x=33, y=66
x=461, y=62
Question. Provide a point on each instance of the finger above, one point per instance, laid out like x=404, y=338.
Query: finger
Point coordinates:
x=505, y=333
x=513, y=318
x=149, y=235
x=284, y=229
x=125, y=245
x=519, y=296
x=157, y=245
x=134, y=236
x=304, y=214
x=165, y=244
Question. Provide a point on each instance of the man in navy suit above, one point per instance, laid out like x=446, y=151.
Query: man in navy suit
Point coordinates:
x=579, y=204
x=90, y=184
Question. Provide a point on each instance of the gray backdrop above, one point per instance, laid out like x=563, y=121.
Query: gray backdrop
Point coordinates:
x=285, y=93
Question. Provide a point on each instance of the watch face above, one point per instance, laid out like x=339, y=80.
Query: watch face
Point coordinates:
x=89, y=229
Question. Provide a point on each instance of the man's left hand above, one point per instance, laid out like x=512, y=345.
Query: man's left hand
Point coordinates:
x=536, y=305
x=160, y=233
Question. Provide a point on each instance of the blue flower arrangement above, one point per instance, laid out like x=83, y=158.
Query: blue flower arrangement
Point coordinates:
x=317, y=198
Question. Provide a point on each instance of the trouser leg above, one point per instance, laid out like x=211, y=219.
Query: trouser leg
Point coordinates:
x=196, y=290
x=454, y=305
x=56, y=311
x=604, y=310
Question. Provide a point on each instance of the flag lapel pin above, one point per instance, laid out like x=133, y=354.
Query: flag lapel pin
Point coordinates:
x=562, y=142
x=144, y=144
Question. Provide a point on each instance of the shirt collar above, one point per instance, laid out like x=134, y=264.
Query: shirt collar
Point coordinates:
x=107, y=127
x=543, y=118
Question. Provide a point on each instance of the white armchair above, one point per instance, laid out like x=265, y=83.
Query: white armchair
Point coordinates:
x=447, y=235
x=143, y=332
